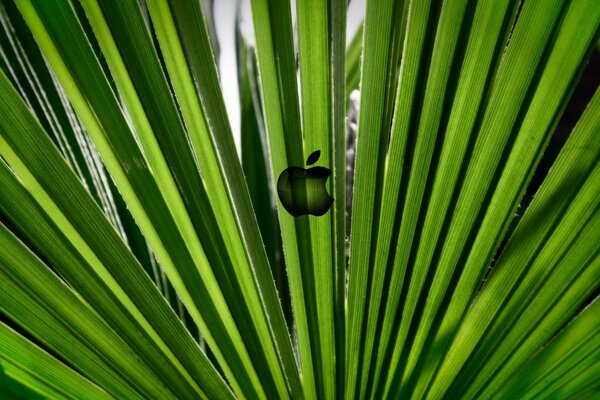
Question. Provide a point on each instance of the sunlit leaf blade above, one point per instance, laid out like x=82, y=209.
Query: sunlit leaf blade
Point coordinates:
x=56, y=115
x=29, y=72
x=410, y=116
x=574, y=165
x=276, y=61
x=24, y=359
x=255, y=150
x=576, y=383
x=132, y=167
x=34, y=225
x=561, y=381
x=317, y=133
x=73, y=256
x=526, y=47
x=376, y=99
x=559, y=356
x=321, y=40
x=254, y=276
x=257, y=168
x=174, y=142
x=127, y=214
x=57, y=318
x=519, y=335
x=548, y=100
x=17, y=384
x=425, y=122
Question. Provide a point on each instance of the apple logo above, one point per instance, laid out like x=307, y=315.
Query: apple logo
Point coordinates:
x=302, y=191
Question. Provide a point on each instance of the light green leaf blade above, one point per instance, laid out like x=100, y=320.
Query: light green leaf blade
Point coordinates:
x=257, y=166
x=380, y=54
x=162, y=114
x=173, y=246
x=29, y=73
x=17, y=384
x=559, y=355
x=279, y=88
x=59, y=320
x=572, y=168
x=424, y=119
x=320, y=39
x=222, y=174
x=526, y=47
x=550, y=96
x=17, y=204
x=46, y=375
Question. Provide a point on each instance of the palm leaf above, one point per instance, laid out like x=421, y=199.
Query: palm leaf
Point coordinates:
x=141, y=258
x=30, y=370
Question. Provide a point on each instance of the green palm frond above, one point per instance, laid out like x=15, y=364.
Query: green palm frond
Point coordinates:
x=143, y=255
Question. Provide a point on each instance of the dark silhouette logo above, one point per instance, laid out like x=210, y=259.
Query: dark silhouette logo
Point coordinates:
x=302, y=191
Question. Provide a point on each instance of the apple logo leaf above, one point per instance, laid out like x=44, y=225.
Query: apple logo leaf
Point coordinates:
x=314, y=156
x=304, y=191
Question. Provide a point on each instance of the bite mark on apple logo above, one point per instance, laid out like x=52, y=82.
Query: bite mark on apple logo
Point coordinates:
x=302, y=191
